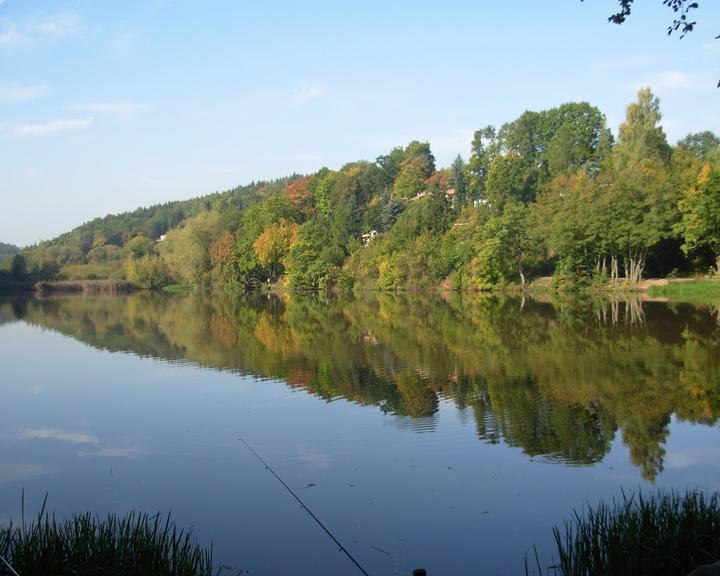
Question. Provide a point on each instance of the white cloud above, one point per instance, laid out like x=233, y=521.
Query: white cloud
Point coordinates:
x=308, y=93
x=54, y=126
x=56, y=434
x=452, y=144
x=27, y=32
x=297, y=157
x=59, y=26
x=13, y=37
x=14, y=92
x=122, y=44
x=111, y=107
x=691, y=457
x=676, y=80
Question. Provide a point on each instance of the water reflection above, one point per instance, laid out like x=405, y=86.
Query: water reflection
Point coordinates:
x=557, y=379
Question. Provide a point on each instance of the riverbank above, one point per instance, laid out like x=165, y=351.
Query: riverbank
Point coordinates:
x=701, y=290
x=681, y=289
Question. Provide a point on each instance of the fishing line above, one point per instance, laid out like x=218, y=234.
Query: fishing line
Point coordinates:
x=319, y=522
x=9, y=567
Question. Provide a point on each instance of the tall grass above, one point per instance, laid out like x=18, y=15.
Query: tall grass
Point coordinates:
x=85, y=286
x=689, y=291
x=664, y=534
x=138, y=544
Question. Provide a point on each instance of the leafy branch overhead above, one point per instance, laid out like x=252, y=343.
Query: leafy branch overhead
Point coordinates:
x=682, y=22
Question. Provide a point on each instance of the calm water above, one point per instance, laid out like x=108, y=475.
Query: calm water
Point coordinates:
x=448, y=434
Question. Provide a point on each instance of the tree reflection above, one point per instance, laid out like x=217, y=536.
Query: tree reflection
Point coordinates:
x=556, y=379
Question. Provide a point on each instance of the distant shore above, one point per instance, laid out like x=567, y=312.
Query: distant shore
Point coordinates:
x=680, y=289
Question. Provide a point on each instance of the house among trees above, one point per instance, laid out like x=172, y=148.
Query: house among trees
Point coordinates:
x=368, y=236
x=450, y=194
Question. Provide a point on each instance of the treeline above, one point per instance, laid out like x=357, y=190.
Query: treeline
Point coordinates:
x=552, y=192
x=7, y=251
x=102, y=242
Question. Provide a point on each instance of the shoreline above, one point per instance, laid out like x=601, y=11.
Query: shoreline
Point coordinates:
x=698, y=289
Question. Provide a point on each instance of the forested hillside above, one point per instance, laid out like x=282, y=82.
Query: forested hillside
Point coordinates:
x=7, y=251
x=551, y=192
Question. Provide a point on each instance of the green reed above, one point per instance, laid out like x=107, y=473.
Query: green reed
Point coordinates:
x=667, y=533
x=138, y=544
x=85, y=286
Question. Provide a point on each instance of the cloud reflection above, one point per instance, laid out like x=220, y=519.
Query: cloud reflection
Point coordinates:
x=128, y=452
x=56, y=434
x=15, y=472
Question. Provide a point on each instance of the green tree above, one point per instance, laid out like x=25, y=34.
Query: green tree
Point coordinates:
x=700, y=209
x=641, y=137
x=579, y=139
x=458, y=181
x=704, y=145
x=640, y=188
x=484, y=148
x=186, y=249
x=413, y=173
x=18, y=267
x=510, y=179
x=138, y=247
x=504, y=248
x=566, y=215
x=147, y=272
x=416, y=166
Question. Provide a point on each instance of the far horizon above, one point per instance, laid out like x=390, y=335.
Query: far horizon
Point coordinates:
x=108, y=110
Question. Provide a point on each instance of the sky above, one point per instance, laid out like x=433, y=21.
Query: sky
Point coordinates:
x=107, y=106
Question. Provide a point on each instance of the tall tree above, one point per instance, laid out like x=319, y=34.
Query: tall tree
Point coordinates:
x=484, y=148
x=18, y=267
x=640, y=186
x=641, y=137
x=458, y=181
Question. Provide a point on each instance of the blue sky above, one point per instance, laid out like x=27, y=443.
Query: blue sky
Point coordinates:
x=106, y=106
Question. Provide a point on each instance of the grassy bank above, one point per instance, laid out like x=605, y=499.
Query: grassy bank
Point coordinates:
x=663, y=534
x=137, y=544
x=101, y=271
x=689, y=291
x=85, y=287
x=178, y=288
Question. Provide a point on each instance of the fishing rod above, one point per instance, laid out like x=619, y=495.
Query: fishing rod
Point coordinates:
x=8, y=565
x=319, y=522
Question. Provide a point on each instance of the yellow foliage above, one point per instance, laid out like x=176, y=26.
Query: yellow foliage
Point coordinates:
x=273, y=245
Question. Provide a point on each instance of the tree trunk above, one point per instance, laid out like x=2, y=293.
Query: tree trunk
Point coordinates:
x=634, y=266
x=614, y=269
